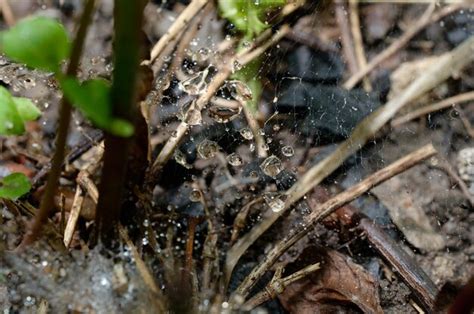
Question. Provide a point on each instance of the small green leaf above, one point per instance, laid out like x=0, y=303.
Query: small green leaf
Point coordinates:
x=14, y=186
x=11, y=122
x=27, y=110
x=121, y=127
x=92, y=98
x=38, y=42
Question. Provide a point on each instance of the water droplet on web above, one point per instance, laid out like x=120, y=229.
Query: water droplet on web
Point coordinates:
x=207, y=149
x=202, y=54
x=196, y=84
x=274, y=201
x=287, y=151
x=237, y=66
x=246, y=133
x=195, y=196
x=222, y=114
x=180, y=158
x=234, y=160
x=272, y=166
x=239, y=90
x=189, y=114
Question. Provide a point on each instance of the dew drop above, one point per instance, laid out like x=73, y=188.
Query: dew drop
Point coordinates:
x=180, y=158
x=275, y=202
x=287, y=151
x=239, y=90
x=196, y=84
x=234, y=160
x=246, y=133
x=207, y=149
x=195, y=195
x=237, y=66
x=271, y=166
x=222, y=114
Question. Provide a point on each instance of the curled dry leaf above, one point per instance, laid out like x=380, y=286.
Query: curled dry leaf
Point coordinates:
x=339, y=283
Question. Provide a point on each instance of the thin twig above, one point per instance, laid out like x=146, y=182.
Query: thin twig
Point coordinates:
x=73, y=216
x=443, y=104
x=365, y=130
x=239, y=221
x=277, y=285
x=346, y=38
x=327, y=208
x=253, y=125
x=465, y=121
x=358, y=42
x=426, y=19
x=7, y=13
x=47, y=202
x=446, y=167
x=178, y=26
x=141, y=266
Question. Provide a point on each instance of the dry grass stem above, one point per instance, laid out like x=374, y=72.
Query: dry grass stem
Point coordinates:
x=451, y=63
x=327, y=208
x=73, y=216
x=177, y=28
x=277, y=285
x=443, y=104
x=426, y=19
x=7, y=13
x=358, y=41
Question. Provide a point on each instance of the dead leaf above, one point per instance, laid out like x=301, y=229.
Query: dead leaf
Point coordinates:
x=408, y=215
x=339, y=285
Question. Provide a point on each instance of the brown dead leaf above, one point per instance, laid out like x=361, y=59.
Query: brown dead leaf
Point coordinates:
x=339, y=285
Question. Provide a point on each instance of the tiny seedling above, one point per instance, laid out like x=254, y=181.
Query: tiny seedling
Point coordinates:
x=44, y=43
x=248, y=17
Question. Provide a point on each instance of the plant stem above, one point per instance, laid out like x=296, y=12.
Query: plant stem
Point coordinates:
x=47, y=202
x=128, y=17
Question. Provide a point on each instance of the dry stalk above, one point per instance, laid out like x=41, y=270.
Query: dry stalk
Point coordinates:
x=7, y=13
x=197, y=106
x=443, y=104
x=277, y=285
x=346, y=38
x=426, y=19
x=141, y=266
x=451, y=63
x=358, y=42
x=177, y=28
x=327, y=208
x=73, y=216
x=253, y=125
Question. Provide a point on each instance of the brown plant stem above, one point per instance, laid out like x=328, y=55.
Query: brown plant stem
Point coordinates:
x=128, y=17
x=47, y=202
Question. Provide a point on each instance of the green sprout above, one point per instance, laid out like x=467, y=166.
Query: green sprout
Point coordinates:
x=248, y=17
x=43, y=43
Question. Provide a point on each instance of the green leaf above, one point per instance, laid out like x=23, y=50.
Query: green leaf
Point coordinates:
x=247, y=15
x=38, y=42
x=92, y=98
x=14, y=186
x=27, y=110
x=11, y=122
